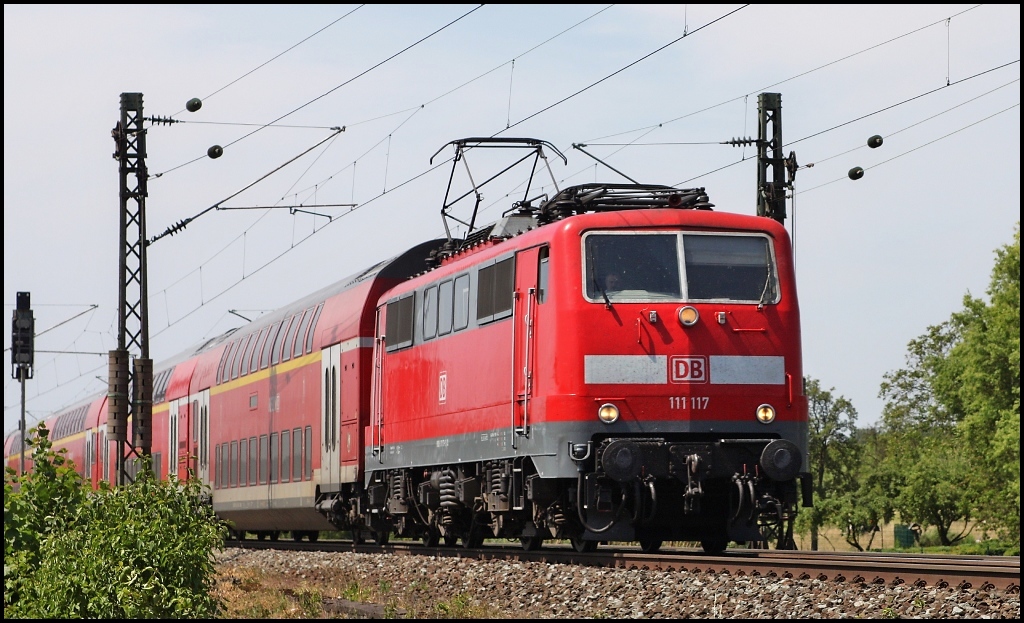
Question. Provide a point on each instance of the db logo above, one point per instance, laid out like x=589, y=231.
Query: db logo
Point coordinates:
x=688, y=369
x=442, y=388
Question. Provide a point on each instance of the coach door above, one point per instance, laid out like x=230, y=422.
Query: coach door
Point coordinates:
x=201, y=413
x=524, y=312
x=330, y=415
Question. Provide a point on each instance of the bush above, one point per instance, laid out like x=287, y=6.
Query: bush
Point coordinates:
x=140, y=551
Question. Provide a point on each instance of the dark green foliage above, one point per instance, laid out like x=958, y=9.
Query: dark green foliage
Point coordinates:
x=952, y=416
x=832, y=456
x=139, y=551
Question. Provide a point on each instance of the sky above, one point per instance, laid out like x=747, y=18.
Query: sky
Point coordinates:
x=878, y=259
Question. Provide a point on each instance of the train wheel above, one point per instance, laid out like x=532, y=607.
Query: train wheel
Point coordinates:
x=297, y=535
x=260, y=536
x=357, y=537
x=649, y=546
x=275, y=535
x=450, y=540
x=431, y=536
x=714, y=545
x=531, y=543
x=313, y=536
x=381, y=537
x=581, y=546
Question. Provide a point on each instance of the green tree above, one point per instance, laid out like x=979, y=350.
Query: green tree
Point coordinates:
x=952, y=414
x=832, y=456
x=867, y=504
x=144, y=550
x=983, y=378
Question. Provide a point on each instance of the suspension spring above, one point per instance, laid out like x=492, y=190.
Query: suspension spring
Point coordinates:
x=499, y=482
x=447, y=482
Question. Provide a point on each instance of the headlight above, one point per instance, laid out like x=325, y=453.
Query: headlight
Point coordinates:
x=765, y=414
x=608, y=413
x=688, y=316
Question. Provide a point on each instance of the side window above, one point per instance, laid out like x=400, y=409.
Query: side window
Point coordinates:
x=236, y=358
x=308, y=474
x=229, y=353
x=233, y=459
x=297, y=454
x=275, y=453
x=461, y=302
x=269, y=344
x=253, y=460
x=444, y=308
x=289, y=338
x=254, y=361
x=275, y=355
x=312, y=327
x=398, y=329
x=430, y=313
x=264, y=459
x=243, y=463
x=250, y=343
x=300, y=337
x=542, y=275
x=494, y=298
x=286, y=456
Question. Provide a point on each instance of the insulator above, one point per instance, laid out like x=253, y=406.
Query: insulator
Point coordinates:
x=193, y=104
x=215, y=152
x=856, y=173
x=117, y=395
x=875, y=141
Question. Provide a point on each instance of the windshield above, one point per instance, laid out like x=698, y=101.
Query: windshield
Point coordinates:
x=646, y=267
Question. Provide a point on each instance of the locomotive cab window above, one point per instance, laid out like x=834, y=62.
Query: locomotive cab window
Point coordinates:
x=494, y=294
x=461, y=305
x=729, y=268
x=670, y=266
x=430, y=313
x=399, y=324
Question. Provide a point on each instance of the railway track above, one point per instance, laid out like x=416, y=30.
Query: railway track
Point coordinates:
x=921, y=570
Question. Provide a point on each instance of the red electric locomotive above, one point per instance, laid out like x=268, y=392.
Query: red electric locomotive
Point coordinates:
x=612, y=363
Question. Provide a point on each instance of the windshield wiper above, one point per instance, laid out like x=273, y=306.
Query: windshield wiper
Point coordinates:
x=764, y=292
x=593, y=278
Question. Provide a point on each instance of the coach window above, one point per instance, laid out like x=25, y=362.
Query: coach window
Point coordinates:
x=286, y=456
x=233, y=459
x=430, y=313
x=275, y=453
x=398, y=328
x=275, y=355
x=264, y=459
x=243, y=463
x=236, y=358
x=219, y=466
x=289, y=338
x=444, y=308
x=229, y=351
x=297, y=454
x=269, y=344
x=312, y=327
x=494, y=292
x=254, y=356
x=245, y=353
x=300, y=336
x=308, y=474
x=254, y=458
x=542, y=274
x=250, y=344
